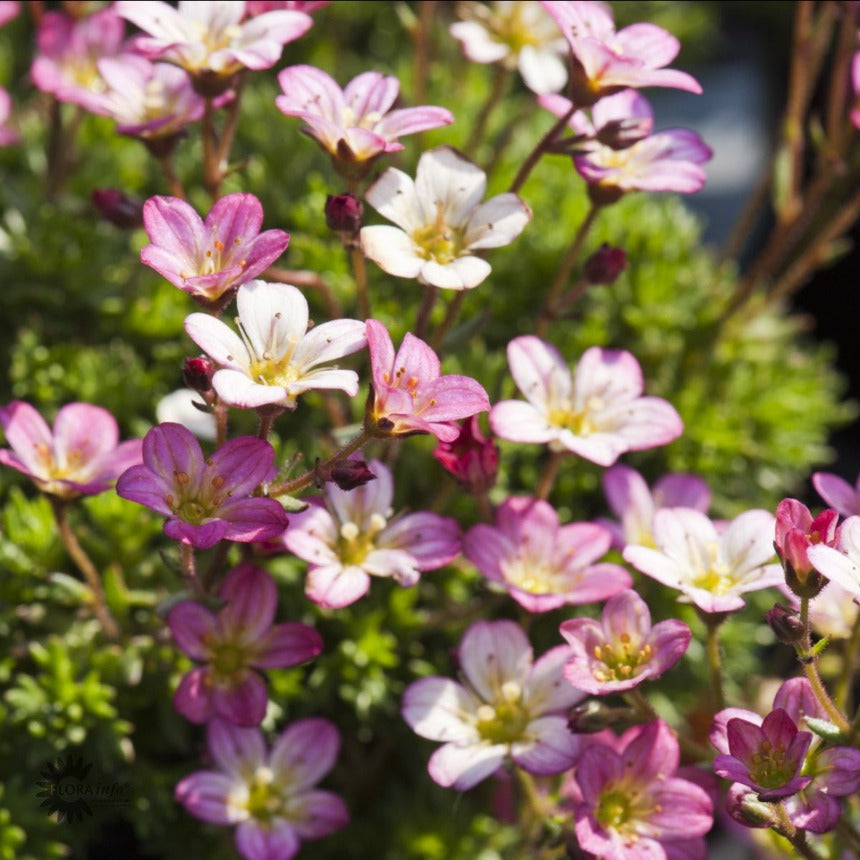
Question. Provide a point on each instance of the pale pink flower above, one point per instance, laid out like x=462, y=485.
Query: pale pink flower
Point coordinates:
x=352, y=535
x=9, y=9
x=8, y=135
x=606, y=61
x=80, y=456
x=712, y=568
x=269, y=796
x=517, y=34
x=211, y=39
x=355, y=125
x=278, y=357
x=838, y=493
x=507, y=708
x=206, y=499
x=212, y=257
x=664, y=161
x=441, y=222
x=67, y=54
x=598, y=412
x=621, y=650
x=542, y=564
x=409, y=394
x=630, y=802
x=841, y=563
x=232, y=643
x=635, y=504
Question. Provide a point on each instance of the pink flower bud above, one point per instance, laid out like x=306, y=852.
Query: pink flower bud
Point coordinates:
x=605, y=265
x=796, y=532
x=197, y=373
x=118, y=207
x=349, y=474
x=471, y=458
x=785, y=623
x=343, y=213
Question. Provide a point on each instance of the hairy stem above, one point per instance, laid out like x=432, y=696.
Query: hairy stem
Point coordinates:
x=550, y=473
x=543, y=145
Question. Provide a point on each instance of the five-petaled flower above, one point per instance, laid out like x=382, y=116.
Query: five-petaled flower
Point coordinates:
x=606, y=61
x=352, y=536
x=712, y=568
x=355, y=125
x=542, y=564
x=81, y=456
x=269, y=796
x=409, y=394
x=621, y=650
x=205, y=499
x=441, y=221
x=232, y=644
x=209, y=258
x=507, y=708
x=598, y=413
x=277, y=358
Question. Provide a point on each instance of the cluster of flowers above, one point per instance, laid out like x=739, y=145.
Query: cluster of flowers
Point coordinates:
x=627, y=795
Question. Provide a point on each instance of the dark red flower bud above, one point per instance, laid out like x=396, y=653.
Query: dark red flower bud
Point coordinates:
x=343, y=213
x=471, y=458
x=197, y=373
x=349, y=474
x=785, y=623
x=604, y=265
x=623, y=133
x=117, y=207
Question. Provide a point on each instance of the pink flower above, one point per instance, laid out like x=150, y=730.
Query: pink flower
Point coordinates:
x=598, y=413
x=409, y=394
x=621, y=650
x=352, y=536
x=205, y=499
x=542, y=564
x=81, y=456
x=8, y=135
x=471, y=458
x=355, y=125
x=278, y=356
x=209, y=39
x=838, y=493
x=711, y=568
x=9, y=9
x=517, y=34
x=840, y=563
x=442, y=225
x=269, y=796
x=634, y=504
x=68, y=51
x=630, y=802
x=796, y=532
x=665, y=161
x=233, y=643
x=209, y=258
x=507, y=708
x=855, y=84
x=605, y=61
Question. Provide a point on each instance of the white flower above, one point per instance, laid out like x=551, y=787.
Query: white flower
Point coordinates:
x=276, y=358
x=178, y=407
x=440, y=221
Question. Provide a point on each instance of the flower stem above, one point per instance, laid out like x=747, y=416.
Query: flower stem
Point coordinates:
x=86, y=567
x=211, y=168
x=359, y=272
x=220, y=422
x=550, y=473
x=189, y=569
x=501, y=77
x=543, y=145
x=425, y=309
x=451, y=314
x=644, y=709
x=795, y=836
x=712, y=648
x=173, y=182
x=228, y=132
x=287, y=488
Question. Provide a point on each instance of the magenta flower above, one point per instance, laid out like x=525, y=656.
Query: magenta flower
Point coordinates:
x=840, y=563
x=409, y=394
x=621, y=650
x=205, y=499
x=635, y=504
x=767, y=756
x=81, y=456
x=796, y=532
x=507, y=708
x=233, y=643
x=598, y=413
x=441, y=224
x=542, y=564
x=838, y=493
x=355, y=125
x=68, y=52
x=471, y=458
x=210, y=39
x=269, y=796
x=351, y=536
x=665, y=161
x=209, y=258
x=630, y=802
x=606, y=61
x=712, y=568
x=278, y=356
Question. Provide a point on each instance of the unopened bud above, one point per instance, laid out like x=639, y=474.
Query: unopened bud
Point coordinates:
x=785, y=623
x=343, y=213
x=605, y=265
x=590, y=717
x=623, y=133
x=349, y=474
x=197, y=373
x=744, y=807
x=471, y=458
x=118, y=207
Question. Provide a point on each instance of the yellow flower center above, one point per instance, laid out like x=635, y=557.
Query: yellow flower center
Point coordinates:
x=439, y=241
x=506, y=720
x=717, y=578
x=620, y=660
x=355, y=545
